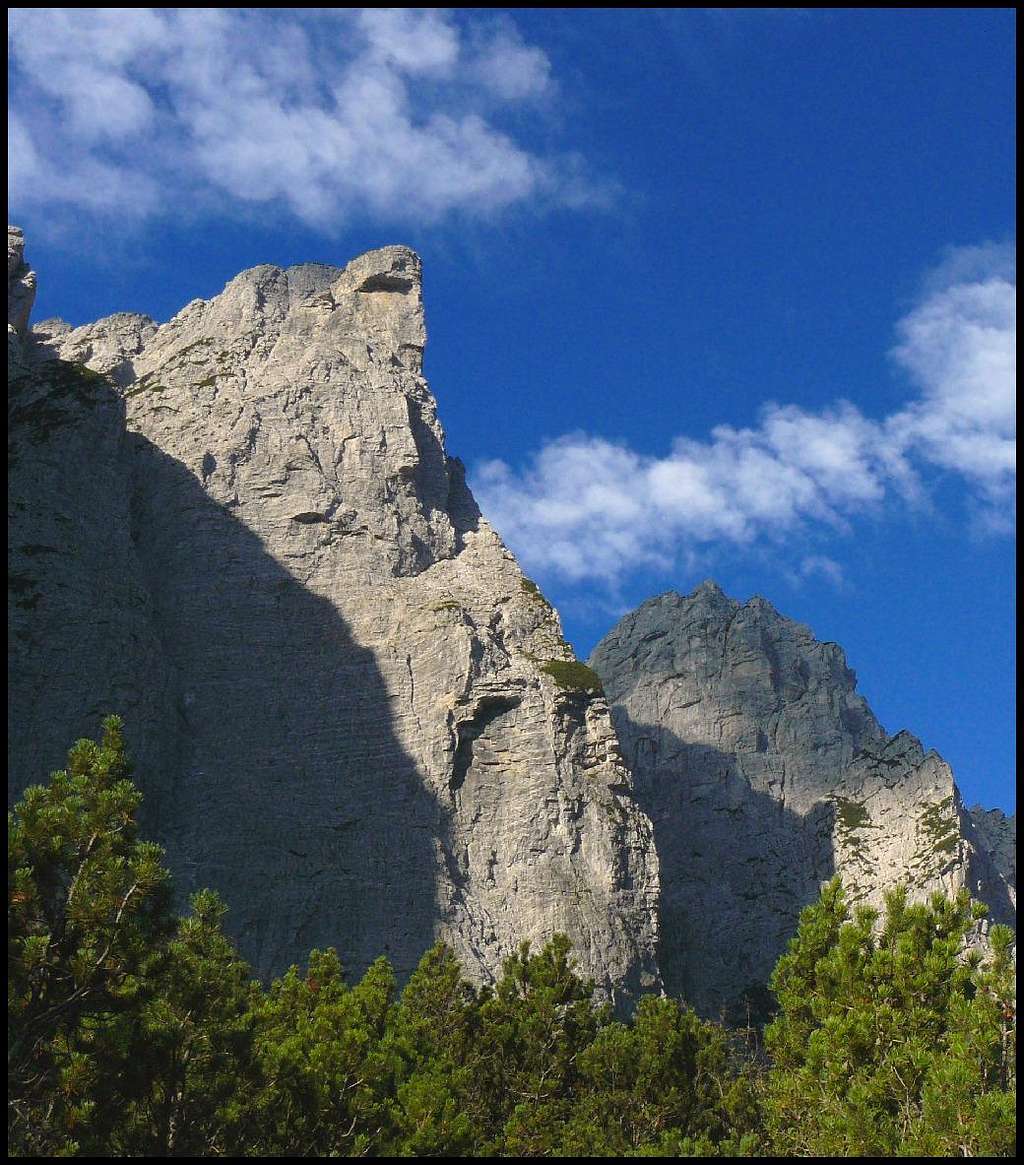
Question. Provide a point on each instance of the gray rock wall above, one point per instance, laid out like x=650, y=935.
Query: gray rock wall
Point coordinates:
x=765, y=773
x=241, y=530
x=330, y=665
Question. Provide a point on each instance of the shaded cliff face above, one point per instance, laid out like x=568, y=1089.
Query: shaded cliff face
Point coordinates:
x=764, y=774
x=81, y=636
x=330, y=666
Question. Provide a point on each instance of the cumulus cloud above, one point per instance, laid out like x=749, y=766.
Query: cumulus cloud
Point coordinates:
x=330, y=113
x=958, y=346
x=585, y=507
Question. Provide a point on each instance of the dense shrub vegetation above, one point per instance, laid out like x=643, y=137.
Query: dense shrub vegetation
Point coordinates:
x=574, y=676
x=132, y=1032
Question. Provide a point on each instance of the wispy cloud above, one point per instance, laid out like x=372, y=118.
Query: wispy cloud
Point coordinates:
x=585, y=507
x=330, y=113
x=820, y=565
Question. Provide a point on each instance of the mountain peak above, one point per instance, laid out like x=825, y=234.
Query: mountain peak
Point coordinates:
x=334, y=676
x=395, y=268
x=735, y=720
x=708, y=589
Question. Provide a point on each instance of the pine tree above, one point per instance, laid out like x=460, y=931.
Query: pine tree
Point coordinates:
x=431, y=1036
x=889, y=1038
x=667, y=1084
x=88, y=907
x=324, y=1069
x=129, y=1029
x=190, y=1067
x=524, y=1063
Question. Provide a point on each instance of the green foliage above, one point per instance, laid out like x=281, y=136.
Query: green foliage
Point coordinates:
x=136, y=1033
x=429, y=1044
x=573, y=676
x=888, y=1041
x=322, y=1066
x=533, y=1068
x=60, y=391
x=87, y=910
x=940, y=827
x=531, y=1029
x=188, y=1066
x=851, y=814
x=146, y=385
x=667, y=1084
x=530, y=588
x=446, y=605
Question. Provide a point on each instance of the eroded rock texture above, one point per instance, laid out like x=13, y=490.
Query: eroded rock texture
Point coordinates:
x=765, y=773
x=246, y=537
x=241, y=530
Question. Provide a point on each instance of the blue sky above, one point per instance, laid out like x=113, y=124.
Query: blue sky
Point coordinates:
x=710, y=293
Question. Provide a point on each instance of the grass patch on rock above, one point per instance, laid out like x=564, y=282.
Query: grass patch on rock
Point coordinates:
x=573, y=676
x=851, y=815
x=941, y=827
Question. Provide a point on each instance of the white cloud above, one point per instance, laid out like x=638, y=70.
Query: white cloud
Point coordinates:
x=332, y=113
x=411, y=40
x=511, y=69
x=825, y=567
x=959, y=348
x=585, y=507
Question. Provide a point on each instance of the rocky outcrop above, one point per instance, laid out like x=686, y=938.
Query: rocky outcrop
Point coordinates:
x=251, y=542
x=355, y=717
x=997, y=833
x=21, y=284
x=765, y=773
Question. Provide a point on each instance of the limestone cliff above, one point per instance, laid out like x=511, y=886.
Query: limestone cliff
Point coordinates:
x=765, y=773
x=240, y=529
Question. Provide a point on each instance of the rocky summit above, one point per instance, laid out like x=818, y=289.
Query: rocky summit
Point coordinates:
x=350, y=711
x=765, y=773
x=354, y=716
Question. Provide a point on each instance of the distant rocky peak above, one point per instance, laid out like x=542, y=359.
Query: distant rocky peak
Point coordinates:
x=708, y=600
x=765, y=773
x=774, y=661
x=671, y=609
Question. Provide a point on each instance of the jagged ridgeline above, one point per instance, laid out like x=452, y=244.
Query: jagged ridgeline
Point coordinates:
x=354, y=716
x=350, y=712
x=765, y=774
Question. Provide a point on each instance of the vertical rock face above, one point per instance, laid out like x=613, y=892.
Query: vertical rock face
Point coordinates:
x=997, y=834
x=21, y=284
x=81, y=636
x=764, y=774
x=330, y=666
x=241, y=530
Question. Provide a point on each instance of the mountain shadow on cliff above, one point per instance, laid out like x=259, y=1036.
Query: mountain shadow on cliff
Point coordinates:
x=737, y=867
x=292, y=794
x=80, y=636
